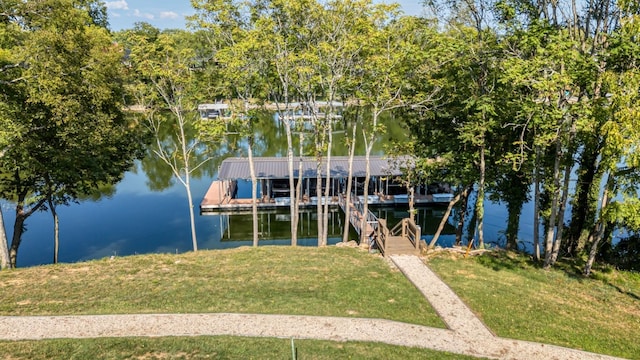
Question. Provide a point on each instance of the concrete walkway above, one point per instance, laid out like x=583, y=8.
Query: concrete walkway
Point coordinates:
x=468, y=328
x=466, y=334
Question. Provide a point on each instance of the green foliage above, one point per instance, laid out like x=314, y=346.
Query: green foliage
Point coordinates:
x=625, y=254
x=61, y=98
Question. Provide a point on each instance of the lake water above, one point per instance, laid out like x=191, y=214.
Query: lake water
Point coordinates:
x=148, y=214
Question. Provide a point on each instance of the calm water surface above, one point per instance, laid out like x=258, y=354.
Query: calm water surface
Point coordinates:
x=149, y=214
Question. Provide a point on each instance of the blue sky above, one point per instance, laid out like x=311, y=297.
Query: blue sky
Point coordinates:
x=169, y=14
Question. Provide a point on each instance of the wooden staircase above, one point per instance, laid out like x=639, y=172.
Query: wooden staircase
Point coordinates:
x=398, y=245
x=403, y=239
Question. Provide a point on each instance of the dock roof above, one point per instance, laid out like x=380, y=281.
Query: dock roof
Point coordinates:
x=277, y=167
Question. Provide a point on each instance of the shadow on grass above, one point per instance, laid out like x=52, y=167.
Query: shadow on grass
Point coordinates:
x=623, y=291
x=506, y=260
x=571, y=267
x=511, y=260
x=601, y=276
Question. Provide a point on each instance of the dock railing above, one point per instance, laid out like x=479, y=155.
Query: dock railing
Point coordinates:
x=354, y=219
x=370, y=218
x=408, y=229
x=382, y=234
x=355, y=215
x=413, y=232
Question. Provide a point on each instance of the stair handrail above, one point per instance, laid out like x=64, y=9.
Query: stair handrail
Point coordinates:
x=412, y=231
x=370, y=218
x=397, y=230
x=382, y=232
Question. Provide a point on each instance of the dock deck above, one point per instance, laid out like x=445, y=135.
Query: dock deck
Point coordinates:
x=218, y=198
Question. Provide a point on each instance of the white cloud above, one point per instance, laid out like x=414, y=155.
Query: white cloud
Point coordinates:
x=168, y=15
x=139, y=14
x=117, y=5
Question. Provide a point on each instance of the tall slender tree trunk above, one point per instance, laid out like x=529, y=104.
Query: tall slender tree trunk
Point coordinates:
x=600, y=228
x=187, y=179
x=292, y=188
x=561, y=210
x=254, y=192
x=56, y=231
x=329, y=182
x=192, y=216
x=296, y=211
x=473, y=221
x=462, y=216
x=347, y=205
x=445, y=217
x=583, y=207
x=319, y=203
x=4, y=247
x=364, y=240
x=321, y=133
x=319, y=188
x=368, y=147
x=296, y=214
x=536, y=205
x=411, y=189
x=480, y=199
x=549, y=238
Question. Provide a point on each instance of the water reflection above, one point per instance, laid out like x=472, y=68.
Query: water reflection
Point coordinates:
x=148, y=211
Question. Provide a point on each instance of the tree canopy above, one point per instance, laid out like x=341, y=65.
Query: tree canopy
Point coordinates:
x=517, y=100
x=62, y=98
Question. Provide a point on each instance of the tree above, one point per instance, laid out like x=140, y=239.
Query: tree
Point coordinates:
x=283, y=31
x=236, y=44
x=342, y=32
x=579, y=67
x=168, y=81
x=381, y=84
x=458, y=125
x=10, y=75
x=64, y=99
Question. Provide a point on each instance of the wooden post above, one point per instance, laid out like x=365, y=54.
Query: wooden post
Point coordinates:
x=404, y=228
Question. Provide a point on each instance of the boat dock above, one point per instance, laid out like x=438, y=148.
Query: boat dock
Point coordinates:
x=216, y=200
x=220, y=197
x=274, y=193
x=273, y=184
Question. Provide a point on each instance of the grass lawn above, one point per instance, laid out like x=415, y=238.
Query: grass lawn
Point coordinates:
x=212, y=348
x=513, y=296
x=329, y=281
x=517, y=299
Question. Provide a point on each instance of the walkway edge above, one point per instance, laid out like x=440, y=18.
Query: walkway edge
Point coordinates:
x=452, y=310
x=278, y=326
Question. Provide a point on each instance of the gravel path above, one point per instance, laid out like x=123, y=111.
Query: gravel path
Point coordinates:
x=466, y=334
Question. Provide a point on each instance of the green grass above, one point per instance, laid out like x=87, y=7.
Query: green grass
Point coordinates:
x=211, y=348
x=512, y=295
x=517, y=299
x=328, y=281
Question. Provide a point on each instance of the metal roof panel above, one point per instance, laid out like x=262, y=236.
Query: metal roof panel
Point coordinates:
x=277, y=167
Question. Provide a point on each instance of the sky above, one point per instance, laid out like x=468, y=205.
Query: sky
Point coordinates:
x=170, y=14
